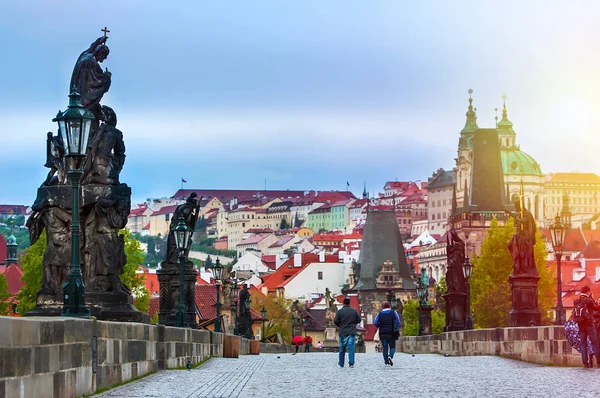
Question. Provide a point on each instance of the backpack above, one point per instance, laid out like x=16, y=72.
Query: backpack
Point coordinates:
x=580, y=312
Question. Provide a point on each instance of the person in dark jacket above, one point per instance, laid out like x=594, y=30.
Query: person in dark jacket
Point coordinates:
x=584, y=310
x=387, y=321
x=346, y=319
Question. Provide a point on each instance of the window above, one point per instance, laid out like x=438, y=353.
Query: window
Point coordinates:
x=320, y=275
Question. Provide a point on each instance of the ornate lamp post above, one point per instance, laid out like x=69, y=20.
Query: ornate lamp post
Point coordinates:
x=236, y=295
x=249, y=332
x=218, y=275
x=421, y=292
x=263, y=312
x=557, y=233
x=74, y=127
x=182, y=240
x=467, y=272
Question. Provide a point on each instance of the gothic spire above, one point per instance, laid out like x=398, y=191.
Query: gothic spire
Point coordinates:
x=505, y=125
x=471, y=123
x=365, y=194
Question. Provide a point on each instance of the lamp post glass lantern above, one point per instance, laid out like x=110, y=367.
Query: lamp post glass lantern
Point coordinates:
x=557, y=233
x=74, y=127
x=182, y=241
x=263, y=312
x=467, y=273
x=218, y=275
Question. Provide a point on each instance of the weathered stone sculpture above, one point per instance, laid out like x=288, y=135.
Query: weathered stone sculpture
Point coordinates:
x=105, y=206
x=168, y=275
x=244, y=317
x=455, y=295
x=524, y=279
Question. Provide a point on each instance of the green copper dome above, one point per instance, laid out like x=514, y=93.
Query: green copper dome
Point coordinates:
x=517, y=162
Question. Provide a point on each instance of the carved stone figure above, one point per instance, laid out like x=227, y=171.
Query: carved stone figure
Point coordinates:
x=89, y=78
x=106, y=152
x=55, y=152
x=57, y=256
x=104, y=249
x=522, y=243
x=189, y=211
x=455, y=250
x=243, y=315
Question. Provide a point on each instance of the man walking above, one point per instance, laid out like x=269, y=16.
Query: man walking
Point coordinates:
x=388, y=322
x=584, y=311
x=346, y=319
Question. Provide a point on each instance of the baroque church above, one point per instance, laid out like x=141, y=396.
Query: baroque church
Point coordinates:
x=518, y=167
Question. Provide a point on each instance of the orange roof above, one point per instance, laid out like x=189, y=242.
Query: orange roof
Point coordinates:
x=287, y=271
x=13, y=276
x=151, y=282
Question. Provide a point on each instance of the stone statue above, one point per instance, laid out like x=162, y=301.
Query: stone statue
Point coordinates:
x=88, y=77
x=104, y=249
x=55, y=152
x=57, y=256
x=331, y=307
x=455, y=253
x=106, y=152
x=243, y=315
x=189, y=211
x=425, y=281
x=522, y=243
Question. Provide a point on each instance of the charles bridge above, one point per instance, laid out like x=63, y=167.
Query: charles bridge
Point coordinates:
x=66, y=357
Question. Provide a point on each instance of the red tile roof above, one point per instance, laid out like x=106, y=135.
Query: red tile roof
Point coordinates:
x=287, y=271
x=253, y=239
x=139, y=210
x=206, y=300
x=575, y=178
x=13, y=276
x=13, y=209
x=282, y=241
x=151, y=282
x=240, y=194
x=165, y=210
x=591, y=251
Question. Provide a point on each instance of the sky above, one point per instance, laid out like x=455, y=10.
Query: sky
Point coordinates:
x=304, y=94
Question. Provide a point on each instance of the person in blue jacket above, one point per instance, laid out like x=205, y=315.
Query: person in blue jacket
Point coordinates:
x=388, y=323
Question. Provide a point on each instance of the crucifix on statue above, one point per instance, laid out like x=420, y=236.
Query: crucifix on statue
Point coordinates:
x=105, y=31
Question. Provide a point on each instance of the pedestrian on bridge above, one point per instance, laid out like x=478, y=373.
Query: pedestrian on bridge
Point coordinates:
x=585, y=309
x=346, y=319
x=388, y=323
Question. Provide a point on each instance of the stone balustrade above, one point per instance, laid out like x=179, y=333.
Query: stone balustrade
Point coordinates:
x=69, y=357
x=544, y=345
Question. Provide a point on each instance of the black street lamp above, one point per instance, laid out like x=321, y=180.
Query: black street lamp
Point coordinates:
x=293, y=318
x=218, y=275
x=236, y=295
x=74, y=127
x=182, y=240
x=249, y=332
x=557, y=232
x=467, y=272
x=421, y=292
x=263, y=312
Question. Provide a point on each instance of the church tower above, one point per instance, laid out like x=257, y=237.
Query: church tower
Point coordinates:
x=506, y=134
x=565, y=213
x=465, y=154
x=11, y=249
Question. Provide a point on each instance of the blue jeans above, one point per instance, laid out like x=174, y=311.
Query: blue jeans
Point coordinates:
x=587, y=329
x=347, y=341
x=388, y=341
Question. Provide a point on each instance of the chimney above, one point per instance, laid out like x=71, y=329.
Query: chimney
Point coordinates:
x=322, y=256
x=297, y=260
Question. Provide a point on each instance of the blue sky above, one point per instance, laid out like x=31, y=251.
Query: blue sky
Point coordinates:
x=307, y=94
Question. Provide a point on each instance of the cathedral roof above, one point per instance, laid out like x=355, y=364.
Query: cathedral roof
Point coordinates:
x=504, y=125
x=471, y=123
x=517, y=162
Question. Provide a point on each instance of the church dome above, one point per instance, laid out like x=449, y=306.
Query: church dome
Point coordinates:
x=517, y=162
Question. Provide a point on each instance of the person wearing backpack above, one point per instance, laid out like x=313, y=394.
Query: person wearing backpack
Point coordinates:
x=388, y=323
x=584, y=309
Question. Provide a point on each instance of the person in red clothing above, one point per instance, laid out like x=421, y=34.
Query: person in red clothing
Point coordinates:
x=307, y=343
x=585, y=311
x=297, y=341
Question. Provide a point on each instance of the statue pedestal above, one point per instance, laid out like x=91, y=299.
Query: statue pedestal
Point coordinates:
x=455, y=311
x=168, y=278
x=113, y=306
x=331, y=337
x=426, y=319
x=524, y=301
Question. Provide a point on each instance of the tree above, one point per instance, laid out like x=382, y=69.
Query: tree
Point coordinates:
x=438, y=321
x=208, y=263
x=135, y=257
x=284, y=224
x=410, y=313
x=490, y=289
x=154, y=319
x=4, y=296
x=278, y=314
x=31, y=265
x=439, y=290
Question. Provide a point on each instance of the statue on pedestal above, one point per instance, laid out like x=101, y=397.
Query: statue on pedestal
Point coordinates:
x=189, y=211
x=522, y=243
x=456, y=293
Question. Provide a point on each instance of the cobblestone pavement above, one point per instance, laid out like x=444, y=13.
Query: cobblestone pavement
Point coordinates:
x=318, y=375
